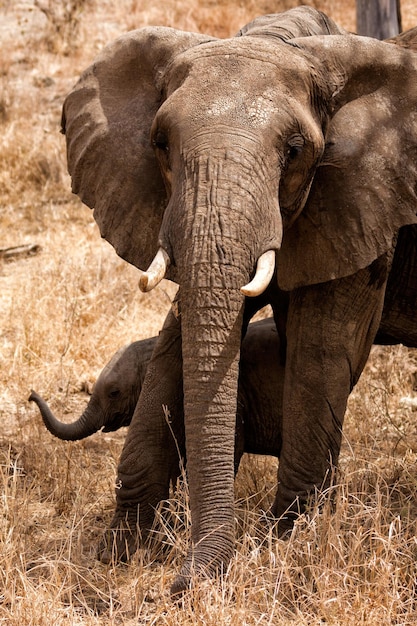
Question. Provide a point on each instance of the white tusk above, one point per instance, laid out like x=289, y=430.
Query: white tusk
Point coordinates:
x=264, y=272
x=156, y=271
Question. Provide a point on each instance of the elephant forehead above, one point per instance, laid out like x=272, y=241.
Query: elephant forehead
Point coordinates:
x=236, y=82
x=256, y=110
x=255, y=104
x=260, y=109
x=276, y=53
x=240, y=65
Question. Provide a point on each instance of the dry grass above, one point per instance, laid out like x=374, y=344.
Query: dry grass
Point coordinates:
x=64, y=312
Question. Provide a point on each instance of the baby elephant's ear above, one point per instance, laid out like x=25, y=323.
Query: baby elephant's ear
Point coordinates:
x=107, y=119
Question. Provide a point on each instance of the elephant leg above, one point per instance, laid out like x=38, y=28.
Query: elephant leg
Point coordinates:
x=398, y=323
x=330, y=330
x=154, y=446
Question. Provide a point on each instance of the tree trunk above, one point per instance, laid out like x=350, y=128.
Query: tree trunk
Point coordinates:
x=378, y=18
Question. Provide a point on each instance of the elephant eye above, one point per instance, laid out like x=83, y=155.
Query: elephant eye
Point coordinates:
x=115, y=393
x=295, y=147
x=160, y=141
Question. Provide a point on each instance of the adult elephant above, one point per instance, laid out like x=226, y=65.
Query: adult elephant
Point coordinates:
x=218, y=157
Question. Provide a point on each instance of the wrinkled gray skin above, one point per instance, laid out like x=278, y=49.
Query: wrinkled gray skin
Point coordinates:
x=114, y=397
x=116, y=392
x=306, y=147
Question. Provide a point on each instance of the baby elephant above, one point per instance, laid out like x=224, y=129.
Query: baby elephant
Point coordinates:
x=116, y=392
x=114, y=397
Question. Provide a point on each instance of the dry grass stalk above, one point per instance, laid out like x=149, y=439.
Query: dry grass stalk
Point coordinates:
x=64, y=312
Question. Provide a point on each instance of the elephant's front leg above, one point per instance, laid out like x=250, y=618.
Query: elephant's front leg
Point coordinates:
x=151, y=455
x=330, y=330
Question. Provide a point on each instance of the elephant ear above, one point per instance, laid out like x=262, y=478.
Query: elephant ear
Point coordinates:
x=107, y=119
x=407, y=39
x=301, y=21
x=365, y=187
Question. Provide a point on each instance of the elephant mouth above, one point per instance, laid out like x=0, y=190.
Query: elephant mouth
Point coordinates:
x=265, y=268
x=119, y=420
x=292, y=210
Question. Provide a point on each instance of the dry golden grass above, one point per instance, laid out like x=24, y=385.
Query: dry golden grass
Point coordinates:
x=62, y=315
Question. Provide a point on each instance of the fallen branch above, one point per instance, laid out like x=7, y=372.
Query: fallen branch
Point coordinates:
x=11, y=254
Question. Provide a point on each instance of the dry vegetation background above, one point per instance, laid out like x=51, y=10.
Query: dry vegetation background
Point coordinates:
x=63, y=313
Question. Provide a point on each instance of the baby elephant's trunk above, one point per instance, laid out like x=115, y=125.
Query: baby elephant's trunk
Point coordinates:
x=84, y=426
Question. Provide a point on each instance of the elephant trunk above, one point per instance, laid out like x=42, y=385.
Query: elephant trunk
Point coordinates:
x=219, y=254
x=87, y=424
x=210, y=369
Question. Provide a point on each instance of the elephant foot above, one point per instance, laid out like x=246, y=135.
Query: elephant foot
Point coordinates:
x=185, y=580
x=181, y=584
x=120, y=541
x=199, y=566
x=285, y=519
x=285, y=525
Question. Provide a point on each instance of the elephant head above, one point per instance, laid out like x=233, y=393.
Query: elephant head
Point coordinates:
x=114, y=397
x=201, y=153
